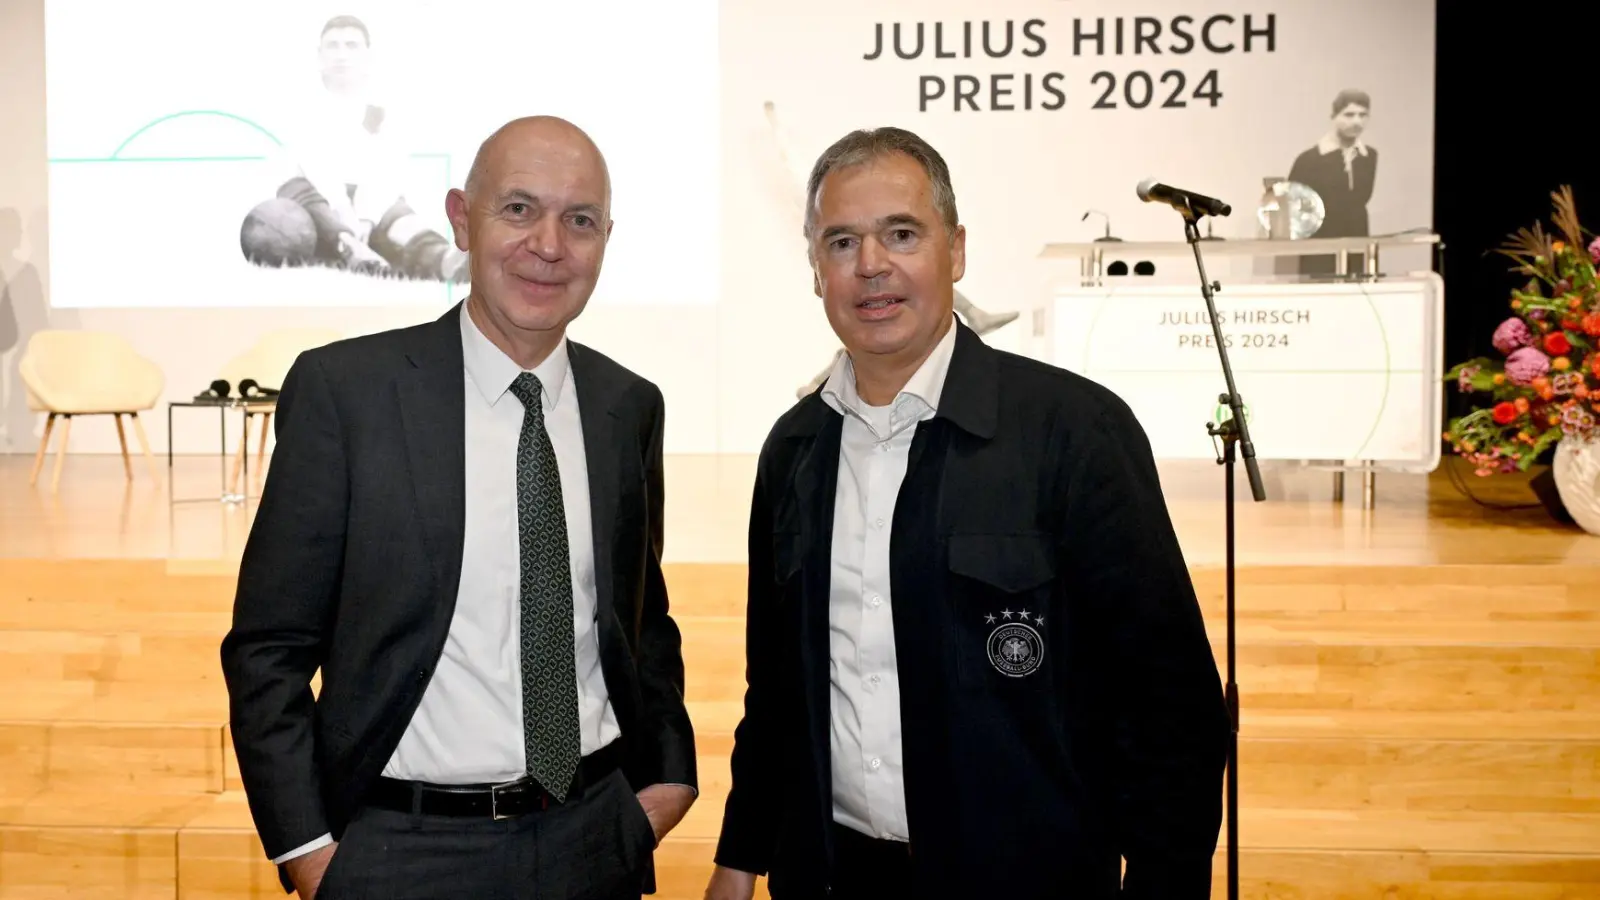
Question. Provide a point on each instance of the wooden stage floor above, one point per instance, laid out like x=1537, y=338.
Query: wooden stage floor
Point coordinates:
x=1420, y=683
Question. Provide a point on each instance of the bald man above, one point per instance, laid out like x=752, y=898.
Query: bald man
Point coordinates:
x=462, y=531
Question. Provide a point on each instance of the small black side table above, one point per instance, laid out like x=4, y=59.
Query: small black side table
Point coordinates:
x=222, y=407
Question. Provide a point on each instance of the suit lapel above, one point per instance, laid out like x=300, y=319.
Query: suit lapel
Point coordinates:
x=433, y=418
x=597, y=396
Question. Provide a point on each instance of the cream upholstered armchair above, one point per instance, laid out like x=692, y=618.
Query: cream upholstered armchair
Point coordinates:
x=88, y=373
x=267, y=363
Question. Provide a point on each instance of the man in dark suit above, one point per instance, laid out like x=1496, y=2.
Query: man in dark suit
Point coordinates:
x=462, y=532
x=1342, y=169
x=976, y=663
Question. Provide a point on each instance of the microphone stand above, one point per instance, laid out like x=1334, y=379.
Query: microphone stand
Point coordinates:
x=1234, y=432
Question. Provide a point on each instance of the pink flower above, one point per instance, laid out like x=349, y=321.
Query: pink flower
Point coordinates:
x=1511, y=334
x=1576, y=420
x=1594, y=250
x=1524, y=365
x=1566, y=383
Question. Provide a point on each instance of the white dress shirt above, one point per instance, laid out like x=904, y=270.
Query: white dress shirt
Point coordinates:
x=875, y=446
x=468, y=727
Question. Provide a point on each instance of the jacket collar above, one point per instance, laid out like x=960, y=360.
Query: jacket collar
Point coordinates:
x=970, y=399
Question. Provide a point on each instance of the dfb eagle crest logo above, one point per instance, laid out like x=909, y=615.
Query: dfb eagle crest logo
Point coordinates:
x=1015, y=649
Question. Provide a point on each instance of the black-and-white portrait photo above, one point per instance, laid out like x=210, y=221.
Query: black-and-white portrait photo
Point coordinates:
x=341, y=202
x=1342, y=168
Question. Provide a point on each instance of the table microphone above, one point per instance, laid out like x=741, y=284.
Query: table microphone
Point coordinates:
x=1151, y=191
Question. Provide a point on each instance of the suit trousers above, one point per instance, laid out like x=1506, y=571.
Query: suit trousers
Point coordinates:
x=596, y=846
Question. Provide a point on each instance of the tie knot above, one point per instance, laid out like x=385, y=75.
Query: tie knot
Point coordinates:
x=526, y=388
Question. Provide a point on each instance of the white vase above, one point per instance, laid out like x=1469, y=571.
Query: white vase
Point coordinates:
x=1576, y=469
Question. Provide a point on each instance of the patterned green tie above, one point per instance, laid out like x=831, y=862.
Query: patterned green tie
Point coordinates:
x=549, y=672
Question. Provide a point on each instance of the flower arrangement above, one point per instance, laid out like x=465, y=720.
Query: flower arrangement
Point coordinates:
x=1546, y=383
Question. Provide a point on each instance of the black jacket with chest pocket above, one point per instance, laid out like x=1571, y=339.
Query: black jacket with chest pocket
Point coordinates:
x=1061, y=707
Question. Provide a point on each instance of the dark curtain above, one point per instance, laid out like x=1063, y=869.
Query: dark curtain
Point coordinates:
x=1515, y=90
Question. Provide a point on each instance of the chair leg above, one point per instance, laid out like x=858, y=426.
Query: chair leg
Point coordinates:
x=44, y=442
x=61, y=452
x=122, y=438
x=144, y=444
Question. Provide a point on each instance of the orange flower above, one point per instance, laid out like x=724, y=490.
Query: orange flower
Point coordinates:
x=1522, y=404
x=1574, y=303
x=1499, y=379
x=1561, y=364
x=1591, y=324
x=1558, y=246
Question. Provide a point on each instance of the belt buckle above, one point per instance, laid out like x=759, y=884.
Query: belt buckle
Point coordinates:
x=494, y=799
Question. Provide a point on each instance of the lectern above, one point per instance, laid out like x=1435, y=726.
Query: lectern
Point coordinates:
x=1341, y=371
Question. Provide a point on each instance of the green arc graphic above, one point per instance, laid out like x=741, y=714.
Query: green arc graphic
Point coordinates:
x=1388, y=376
x=185, y=114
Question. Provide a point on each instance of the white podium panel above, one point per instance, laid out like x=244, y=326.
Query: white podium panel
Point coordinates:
x=1345, y=372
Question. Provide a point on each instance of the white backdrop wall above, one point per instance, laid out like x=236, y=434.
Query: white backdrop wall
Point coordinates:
x=709, y=294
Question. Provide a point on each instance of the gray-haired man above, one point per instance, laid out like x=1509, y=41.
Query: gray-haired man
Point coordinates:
x=976, y=665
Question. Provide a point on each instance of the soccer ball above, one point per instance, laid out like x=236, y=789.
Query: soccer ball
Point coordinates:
x=278, y=232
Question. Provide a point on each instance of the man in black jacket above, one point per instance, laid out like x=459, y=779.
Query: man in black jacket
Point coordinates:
x=976, y=664
x=462, y=532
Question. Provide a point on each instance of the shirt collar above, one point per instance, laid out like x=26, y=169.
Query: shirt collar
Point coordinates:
x=493, y=371
x=918, y=400
x=1330, y=144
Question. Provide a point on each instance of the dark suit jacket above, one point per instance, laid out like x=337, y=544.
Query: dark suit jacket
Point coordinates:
x=354, y=558
x=1031, y=763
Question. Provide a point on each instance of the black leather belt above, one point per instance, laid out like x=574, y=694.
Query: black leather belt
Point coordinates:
x=490, y=801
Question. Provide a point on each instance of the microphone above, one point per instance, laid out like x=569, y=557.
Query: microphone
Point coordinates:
x=1096, y=212
x=1151, y=191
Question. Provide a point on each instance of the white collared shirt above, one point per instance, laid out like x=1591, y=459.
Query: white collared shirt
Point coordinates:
x=468, y=727
x=874, y=450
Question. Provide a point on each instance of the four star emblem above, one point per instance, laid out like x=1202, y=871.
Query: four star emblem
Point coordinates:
x=989, y=619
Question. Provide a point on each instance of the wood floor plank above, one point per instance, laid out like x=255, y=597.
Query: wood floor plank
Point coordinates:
x=87, y=863
x=40, y=756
